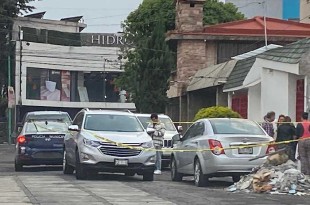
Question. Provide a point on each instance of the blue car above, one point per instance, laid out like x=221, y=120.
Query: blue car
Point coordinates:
x=40, y=142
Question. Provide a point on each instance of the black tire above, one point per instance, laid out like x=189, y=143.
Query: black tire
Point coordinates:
x=149, y=176
x=67, y=169
x=199, y=178
x=130, y=174
x=18, y=166
x=80, y=171
x=175, y=175
x=236, y=178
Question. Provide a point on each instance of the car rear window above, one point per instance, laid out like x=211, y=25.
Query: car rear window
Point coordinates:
x=113, y=123
x=168, y=123
x=233, y=126
x=61, y=117
x=46, y=126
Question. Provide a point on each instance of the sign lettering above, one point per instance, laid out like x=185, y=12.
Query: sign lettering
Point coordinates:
x=104, y=39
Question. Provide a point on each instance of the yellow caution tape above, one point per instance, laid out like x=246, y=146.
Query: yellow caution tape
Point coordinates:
x=122, y=145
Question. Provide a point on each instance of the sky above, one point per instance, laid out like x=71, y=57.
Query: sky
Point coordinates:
x=102, y=16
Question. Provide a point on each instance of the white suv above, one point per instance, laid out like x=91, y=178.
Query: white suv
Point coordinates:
x=170, y=132
x=108, y=141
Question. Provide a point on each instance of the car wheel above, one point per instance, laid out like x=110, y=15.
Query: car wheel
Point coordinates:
x=67, y=169
x=18, y=167
x=80, y=171
x=149, y=176
x=236, y=178
x=175, y=175
x=199, y=178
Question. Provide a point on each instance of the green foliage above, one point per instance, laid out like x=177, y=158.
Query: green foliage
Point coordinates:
x=216, y=112
x=8, y=10
x=149, y=64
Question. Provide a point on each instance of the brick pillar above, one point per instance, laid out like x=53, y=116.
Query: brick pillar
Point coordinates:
x=191, y=54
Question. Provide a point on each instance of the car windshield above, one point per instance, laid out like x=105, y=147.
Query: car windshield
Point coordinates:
x=113, y=123
x=46, y=126
x=168, y=123
x=60, y=117
x=233, y=126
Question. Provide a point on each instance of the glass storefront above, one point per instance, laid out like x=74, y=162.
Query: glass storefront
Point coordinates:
x=73, y=86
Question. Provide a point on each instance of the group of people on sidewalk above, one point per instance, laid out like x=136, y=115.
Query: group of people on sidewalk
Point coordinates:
x=286, y=131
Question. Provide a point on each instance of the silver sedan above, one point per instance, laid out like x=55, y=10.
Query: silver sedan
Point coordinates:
x=205, y=150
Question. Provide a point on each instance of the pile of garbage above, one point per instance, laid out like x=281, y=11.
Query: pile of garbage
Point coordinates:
x=277, y=175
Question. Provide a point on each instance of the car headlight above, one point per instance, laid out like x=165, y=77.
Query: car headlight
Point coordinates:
x=147, y=144
x=91, y=142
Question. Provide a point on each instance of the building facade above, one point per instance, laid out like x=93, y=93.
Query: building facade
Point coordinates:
x=59, y=68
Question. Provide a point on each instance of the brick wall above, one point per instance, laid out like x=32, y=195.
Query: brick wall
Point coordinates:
x=189, y=15
x=191, y=56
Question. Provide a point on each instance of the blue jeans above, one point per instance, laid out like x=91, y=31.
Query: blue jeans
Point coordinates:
x=158, y=160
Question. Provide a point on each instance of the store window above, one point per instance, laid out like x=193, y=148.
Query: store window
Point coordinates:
x=45, y=84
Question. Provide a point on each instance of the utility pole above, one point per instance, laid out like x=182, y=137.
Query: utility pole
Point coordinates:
x=9, y=85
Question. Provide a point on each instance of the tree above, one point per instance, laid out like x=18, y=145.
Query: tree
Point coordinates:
x=151, y=60
x=9, y=9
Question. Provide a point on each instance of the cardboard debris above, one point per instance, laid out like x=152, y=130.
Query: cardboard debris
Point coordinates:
x=277, y=175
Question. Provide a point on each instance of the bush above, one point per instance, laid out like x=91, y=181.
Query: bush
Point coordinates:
x=216, y=112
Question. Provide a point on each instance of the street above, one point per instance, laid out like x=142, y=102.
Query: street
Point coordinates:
x=48, y=185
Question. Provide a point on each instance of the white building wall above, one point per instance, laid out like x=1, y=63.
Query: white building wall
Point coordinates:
x=254, y=103
x=275, y=92
x=84, y=59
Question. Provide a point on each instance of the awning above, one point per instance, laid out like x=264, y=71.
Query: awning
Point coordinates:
x=211, y=76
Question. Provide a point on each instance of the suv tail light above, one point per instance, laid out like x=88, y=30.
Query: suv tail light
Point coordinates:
x=21, y=139
x=216, y=147
x=271, y=148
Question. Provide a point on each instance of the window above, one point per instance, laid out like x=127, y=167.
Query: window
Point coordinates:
x=78, y=120
x=46, y=126
x=234, y=126
x=112, y=123
x=190, y=133
x=192, y=4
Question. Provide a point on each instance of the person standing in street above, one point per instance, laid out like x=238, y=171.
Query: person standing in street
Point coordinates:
x=267, y=124
x=158, y=137
x=303, y=133
x=285, y=132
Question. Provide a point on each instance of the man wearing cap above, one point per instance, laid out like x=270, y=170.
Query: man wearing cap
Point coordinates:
x=267, y=125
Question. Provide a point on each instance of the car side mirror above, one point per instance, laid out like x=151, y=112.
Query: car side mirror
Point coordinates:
x=176, y=138
x=180, y=129
x=150, y=130
x=74, y=128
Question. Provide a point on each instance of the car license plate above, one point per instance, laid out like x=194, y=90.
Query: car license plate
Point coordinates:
x=121, y=162
x=248, y=150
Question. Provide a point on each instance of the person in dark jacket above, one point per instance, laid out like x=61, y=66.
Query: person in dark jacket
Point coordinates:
x=286, y=131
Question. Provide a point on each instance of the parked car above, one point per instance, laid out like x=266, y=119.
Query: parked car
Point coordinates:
x=170, y=132
x=40, y=143
x=216, y=134
x=92, y=148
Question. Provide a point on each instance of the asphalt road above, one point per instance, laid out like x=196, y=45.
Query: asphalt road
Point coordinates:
x=47, y=185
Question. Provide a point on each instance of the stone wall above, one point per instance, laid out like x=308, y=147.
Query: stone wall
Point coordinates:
x=191, y=56
x=189, y=15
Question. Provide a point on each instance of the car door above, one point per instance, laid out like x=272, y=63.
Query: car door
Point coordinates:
x=193, y=144
x=183, y=145
x=71, y=138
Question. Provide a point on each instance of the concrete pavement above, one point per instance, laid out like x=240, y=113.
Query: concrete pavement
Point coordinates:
x=47, y=185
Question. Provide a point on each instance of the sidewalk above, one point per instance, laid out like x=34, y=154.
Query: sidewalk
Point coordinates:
x=6, y=158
